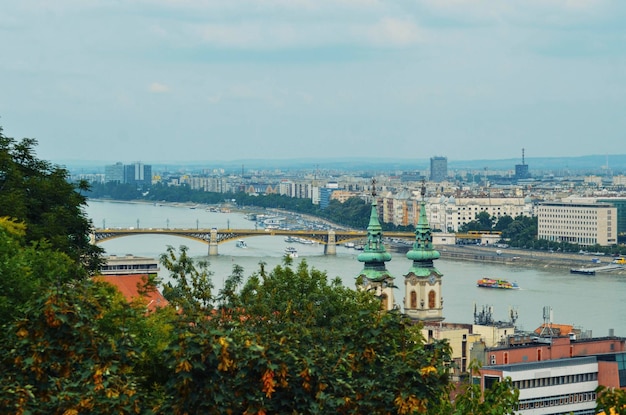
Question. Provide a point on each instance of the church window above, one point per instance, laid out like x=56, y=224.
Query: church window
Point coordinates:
x=413, y=299
x=431, y=299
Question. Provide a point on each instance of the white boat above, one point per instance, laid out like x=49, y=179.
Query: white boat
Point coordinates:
x=241, y=244
x=291, y=252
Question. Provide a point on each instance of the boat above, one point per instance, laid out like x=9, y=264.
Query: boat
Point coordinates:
x=241, y=244
x=291, y=252
x=583, y=271
x=290, y=239
x=496, y=283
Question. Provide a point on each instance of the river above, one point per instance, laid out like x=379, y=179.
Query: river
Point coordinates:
x=590, y=303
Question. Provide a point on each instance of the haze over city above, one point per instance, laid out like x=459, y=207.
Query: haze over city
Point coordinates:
x=271, y=79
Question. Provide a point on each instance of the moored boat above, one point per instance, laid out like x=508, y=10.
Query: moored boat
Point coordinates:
x=583, y=271
x=496, y=283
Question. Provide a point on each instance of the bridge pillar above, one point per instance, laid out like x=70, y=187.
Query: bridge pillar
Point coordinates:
x=213, y=243
x=331, y=245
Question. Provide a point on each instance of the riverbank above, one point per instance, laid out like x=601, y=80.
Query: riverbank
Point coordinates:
x=525, y=258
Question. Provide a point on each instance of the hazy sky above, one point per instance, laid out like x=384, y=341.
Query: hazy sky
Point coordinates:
x=177, y=80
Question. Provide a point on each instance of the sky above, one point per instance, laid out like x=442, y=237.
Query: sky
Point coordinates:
x=195, y=80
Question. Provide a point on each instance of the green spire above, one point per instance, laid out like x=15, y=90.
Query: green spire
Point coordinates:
x=423, y=252
x=374, y=254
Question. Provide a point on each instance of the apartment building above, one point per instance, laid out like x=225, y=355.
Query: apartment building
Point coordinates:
x=579, y=223
x=448, y=213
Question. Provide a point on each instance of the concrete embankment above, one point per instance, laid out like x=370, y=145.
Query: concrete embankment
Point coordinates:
x=525, y=258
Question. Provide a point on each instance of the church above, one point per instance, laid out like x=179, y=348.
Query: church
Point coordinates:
x=423, y=302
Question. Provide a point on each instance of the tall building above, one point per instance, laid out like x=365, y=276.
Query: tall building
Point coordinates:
x=438, y=169
x=114, y=173
x=137, y=173
x=326, y=193
x=521, y=170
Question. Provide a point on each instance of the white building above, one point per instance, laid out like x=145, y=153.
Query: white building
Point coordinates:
x=578, y=223
x=563, y=386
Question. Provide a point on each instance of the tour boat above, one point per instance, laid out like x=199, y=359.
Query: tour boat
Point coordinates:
x=291, y=252
x=496, y=283
x=241, y=244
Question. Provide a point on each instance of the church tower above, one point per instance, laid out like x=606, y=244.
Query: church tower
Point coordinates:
x=374, y=276
x=423, y=300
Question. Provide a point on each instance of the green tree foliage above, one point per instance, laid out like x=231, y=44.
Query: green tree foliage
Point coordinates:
x=27, y=270
x=522, y=232
x=500, y=399
x=611, y=401
x=55, y=360
x=39, y=194
x=290, y=341
x=189, y=286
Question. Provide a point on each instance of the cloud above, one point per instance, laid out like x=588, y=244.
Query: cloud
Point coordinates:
x=158, y=88
x=393, y=32
x=521, y=11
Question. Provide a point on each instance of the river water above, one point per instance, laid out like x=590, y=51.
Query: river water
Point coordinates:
x=591, y=303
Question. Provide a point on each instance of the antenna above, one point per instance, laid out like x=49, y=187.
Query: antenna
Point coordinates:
x=523, y=156
x=547, y=321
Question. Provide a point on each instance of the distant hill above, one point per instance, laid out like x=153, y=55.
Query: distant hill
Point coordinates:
x=587, y=164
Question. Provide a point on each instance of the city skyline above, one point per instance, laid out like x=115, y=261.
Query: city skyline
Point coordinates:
x=170, y=81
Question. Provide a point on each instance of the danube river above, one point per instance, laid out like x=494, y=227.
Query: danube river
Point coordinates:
x=590, y=303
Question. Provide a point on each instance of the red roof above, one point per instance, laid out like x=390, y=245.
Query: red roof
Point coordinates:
x=131, y=285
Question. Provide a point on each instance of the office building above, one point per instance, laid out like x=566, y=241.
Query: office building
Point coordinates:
x=438, y=169
x=137, y=173
x=114, y=173
x=579, y=223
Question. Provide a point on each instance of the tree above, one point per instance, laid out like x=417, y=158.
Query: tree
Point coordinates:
x=57, y=360
x=503, y=222
x=39, y=194
x=290, y=341
x=611, y=401
x=499, y=399
x=27, y=270
x=190, y=286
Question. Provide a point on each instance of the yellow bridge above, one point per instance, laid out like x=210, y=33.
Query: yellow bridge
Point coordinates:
x=214, y=236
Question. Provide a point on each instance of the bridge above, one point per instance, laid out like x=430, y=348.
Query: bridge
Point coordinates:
x=214, y=236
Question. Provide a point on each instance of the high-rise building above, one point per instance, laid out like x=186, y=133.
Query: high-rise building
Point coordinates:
x=438, y=169
x=521, y=170
x=136, y=173
x=114, y=173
